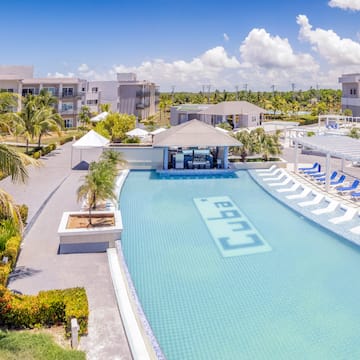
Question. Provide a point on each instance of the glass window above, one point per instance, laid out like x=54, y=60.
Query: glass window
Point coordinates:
x=67, y=106
x=68, y=91
x=68, y=123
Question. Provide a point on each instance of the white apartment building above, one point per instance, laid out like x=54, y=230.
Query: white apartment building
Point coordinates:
x=69, y=92
x=125, y=95
x=351, y=93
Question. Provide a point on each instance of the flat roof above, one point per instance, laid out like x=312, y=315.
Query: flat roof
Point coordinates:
x=343, y=147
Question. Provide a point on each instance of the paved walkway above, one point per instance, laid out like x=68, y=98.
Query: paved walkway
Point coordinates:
x=51, y=190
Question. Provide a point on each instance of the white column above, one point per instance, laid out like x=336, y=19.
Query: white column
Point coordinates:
x=296, y=156
x=226, y=154
x=327, y=177
x=166, y=158
x=60, y=98
x=20, y=93
x=342, y=164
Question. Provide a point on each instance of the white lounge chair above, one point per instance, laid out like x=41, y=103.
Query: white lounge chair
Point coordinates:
x=316, y=200
x=349, y=214
x=355, y=230
x=294, y=187
x=286, y=181
x=270, y=169
x=278, y=178
x=332, y=205
x=272, y=173
x=303, y=194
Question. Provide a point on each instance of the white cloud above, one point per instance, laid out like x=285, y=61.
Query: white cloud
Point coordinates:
x=346, y=4
x=329, y=45
x=261, y=49
x=226, y=37
x=61, y=75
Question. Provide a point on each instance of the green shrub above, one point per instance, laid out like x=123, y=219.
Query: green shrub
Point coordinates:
x=65, y=140
x=45, y=309
x=36, y=155
x=52, y=146
x=5, y=270
x=24, y=212
x=7, y=229
x=12, y=248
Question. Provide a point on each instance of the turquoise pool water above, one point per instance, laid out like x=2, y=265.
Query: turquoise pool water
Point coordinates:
x=299, y=299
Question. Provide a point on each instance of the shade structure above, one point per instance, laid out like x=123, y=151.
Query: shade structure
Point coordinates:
x=138, y=132
x=158, y=131
x=91, y=140
x=343, y=147
x=194, y=133
x=99, y=117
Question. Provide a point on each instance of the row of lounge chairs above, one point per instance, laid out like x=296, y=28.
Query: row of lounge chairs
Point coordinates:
x=318, y=203
x=337, y=181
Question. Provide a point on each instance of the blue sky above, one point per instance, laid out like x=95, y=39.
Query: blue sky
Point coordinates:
x=187, y=43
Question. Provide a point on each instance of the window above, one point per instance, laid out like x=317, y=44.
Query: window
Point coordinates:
x=68, y=123
x=68, y=91
x=67, y=107
x=94, y=89
x=92, y=102
x=354, y=91
x=7, y=90
x=27, y=91
x=51, y=90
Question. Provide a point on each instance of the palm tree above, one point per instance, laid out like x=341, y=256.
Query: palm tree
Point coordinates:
x=12, y=163
x=85, y=115
x=114, y=159
x=98, y=186
x=105, y=107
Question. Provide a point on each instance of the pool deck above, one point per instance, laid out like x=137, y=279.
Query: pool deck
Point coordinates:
x=49, y=191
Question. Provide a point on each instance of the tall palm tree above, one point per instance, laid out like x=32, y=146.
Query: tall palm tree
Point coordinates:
x=98, y=186
x=114, y=159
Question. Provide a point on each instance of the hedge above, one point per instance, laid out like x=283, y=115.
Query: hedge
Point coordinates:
x=12, y=248
x=45, y=309
x=66, y=140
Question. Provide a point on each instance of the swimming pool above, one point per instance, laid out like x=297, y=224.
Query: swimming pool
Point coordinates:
x=298, y=299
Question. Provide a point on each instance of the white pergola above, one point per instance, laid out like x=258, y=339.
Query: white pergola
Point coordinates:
x=342, y=147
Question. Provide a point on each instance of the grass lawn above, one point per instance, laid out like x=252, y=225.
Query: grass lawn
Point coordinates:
x=33, y=346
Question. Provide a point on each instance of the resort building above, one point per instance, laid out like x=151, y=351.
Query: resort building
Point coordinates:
x=238, y=113
x=125, y=95
x=350, y=93
x=69, y=92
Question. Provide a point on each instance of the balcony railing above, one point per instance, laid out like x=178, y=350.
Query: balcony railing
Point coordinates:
x=141, y=93
x=56, y=93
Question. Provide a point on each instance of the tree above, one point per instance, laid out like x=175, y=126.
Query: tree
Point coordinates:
x=115, y=126
x=114, y=159
x=354, y=133
x=12, y=163
x=98, y=186
x=85, y=115
x=247, y=143
x=105, y=107
x=8, y=101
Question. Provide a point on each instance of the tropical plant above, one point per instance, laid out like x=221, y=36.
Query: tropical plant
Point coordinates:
x=114, y=159
x=354, y=133
x=85, y=115
x=247, y=144
x=105, y=107
x=98, y=186
x=115, y=126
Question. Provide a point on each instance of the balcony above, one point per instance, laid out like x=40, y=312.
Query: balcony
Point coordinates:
x=142, y=94
x=348, y=101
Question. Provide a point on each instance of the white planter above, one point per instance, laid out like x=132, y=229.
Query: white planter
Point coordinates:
x=92, y=239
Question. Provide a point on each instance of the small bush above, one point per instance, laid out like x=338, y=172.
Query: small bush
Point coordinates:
x=36, y=155
x=66, y=140
x=52, y=146
x=12, y=249
x=5, y=270
x=46, y=309
x=24, y=212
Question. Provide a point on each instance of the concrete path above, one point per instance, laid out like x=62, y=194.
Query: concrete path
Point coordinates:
x=51, y=190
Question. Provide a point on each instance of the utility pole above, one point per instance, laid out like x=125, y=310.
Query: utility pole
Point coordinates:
x=172, y=93
x=208, y=95
x=273, y=88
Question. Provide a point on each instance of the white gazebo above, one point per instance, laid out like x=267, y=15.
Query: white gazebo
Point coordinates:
x=99, y=117
x=141, y=133
x=91, y=140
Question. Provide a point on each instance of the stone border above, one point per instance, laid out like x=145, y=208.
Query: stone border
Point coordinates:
x=140, y=336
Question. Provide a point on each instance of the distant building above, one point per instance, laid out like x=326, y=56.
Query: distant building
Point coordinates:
x=125, y=95
x=239, y=113
x=69, y=92
x=350, y=93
